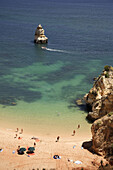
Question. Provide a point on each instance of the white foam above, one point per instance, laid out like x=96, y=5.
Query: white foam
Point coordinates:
x=56, y=50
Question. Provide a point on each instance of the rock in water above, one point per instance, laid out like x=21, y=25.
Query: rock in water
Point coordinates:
x=100, y=97
x=40, y=38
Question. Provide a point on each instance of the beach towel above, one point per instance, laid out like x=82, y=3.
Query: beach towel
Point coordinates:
x=37, y=140
x=57, y=157
x=74, y=146
x=77, y=162
x=1, y=150
x=31, y=154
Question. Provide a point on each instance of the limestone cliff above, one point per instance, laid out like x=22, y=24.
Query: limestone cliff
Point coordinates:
x=100, y=97
x=40, y=38
x=102, y=136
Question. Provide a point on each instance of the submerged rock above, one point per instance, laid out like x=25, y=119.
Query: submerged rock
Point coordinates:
x=99, y=100
x=8, y=101
x=40, y=38
x=80, y=102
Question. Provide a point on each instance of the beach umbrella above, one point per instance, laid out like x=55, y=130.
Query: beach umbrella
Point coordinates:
x=31, y=149
x=22, y=149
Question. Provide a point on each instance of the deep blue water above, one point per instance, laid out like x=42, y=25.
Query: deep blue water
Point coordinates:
x=84, y=29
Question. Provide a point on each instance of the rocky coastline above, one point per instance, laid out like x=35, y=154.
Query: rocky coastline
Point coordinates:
x=99, y=102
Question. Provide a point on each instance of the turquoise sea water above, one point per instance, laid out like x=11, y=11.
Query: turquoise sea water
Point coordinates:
x=44, y=84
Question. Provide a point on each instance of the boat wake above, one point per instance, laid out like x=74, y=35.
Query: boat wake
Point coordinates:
x=55, y=50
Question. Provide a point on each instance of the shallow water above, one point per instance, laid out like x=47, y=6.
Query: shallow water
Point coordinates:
x=45, y=83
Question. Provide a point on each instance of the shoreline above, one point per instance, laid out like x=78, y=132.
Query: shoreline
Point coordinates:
x=40, y=119
x=46, y=148
x=83, y=132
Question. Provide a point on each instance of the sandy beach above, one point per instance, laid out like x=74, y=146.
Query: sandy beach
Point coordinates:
x=69, y=148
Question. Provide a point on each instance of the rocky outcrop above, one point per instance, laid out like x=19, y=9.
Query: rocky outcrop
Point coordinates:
x=99, y=101
x=100, y=98
x=102, y=136
x=40, y=38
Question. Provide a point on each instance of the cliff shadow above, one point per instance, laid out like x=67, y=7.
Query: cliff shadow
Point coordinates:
x=78, y=102
x=88, y=120
x=88, y=145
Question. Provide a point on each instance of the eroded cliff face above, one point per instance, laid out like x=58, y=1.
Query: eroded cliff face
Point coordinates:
x=100, y=101
x=102, y=136
x=100, y=97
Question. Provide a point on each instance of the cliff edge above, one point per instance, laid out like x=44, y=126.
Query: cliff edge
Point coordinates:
x=99, y=100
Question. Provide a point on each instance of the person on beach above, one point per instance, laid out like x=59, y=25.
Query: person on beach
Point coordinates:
x=19, y=137
x=18, y=149
x=78, y=126
x=58, y=137
x=34, y=144
x=17, y=129
x=34, y=138
x=15, y=136
x=21, y=131
x=73, y=133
